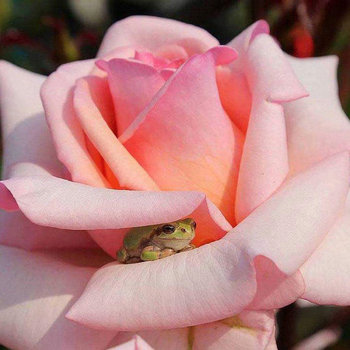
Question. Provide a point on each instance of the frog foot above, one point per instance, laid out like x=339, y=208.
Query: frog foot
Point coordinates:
x=122, y=255
x=151, y=252
x=189, y=247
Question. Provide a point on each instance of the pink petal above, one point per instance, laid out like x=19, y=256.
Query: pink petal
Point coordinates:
x=137, y=343
x=132, y=84
x=232, y=81
x=21, y=112
x=17, y=231
x=241, y=42
x=54, y=202
x=321, y=340
x=317, y=127
x=219, y=278
x=151, y=33
x=28, y=150
x=275, y=289
x=265, y=149
x=206, y=283
x=57, y=97
x=88, y=110
x=195, y=147
x=326, y=273
x=235, y=95
x=35, y=292
x=289, y=226
x=247, y=330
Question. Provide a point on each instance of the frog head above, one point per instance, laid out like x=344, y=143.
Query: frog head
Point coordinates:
x=176, y=235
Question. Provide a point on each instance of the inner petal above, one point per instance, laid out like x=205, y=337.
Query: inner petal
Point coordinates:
x=184, y=139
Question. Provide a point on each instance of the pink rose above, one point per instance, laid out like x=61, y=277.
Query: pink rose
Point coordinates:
x=166, y=124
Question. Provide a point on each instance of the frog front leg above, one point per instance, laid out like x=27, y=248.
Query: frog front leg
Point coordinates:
x=152, y=252
x=188, y=247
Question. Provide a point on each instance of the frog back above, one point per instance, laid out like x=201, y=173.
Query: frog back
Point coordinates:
x=137, y=236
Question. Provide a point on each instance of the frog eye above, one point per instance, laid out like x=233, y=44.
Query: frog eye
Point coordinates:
x=194, y=225
x=168, y=229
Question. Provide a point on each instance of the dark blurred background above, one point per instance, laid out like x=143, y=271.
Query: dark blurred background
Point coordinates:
x=40, y=35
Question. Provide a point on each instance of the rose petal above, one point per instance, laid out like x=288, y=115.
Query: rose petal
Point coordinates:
x=35, y=292
x=316, y=126
x=321, y=340
x=125, y=168
x=247, y=330
x=232, y=82
x=326, y=273
x=132, y=84
x=195, y=147
x=54, y=202
x=218, y=278
x=57, y=97
x=209, y=283
x=22, y=111
x=289, y=226
x=275, y=289
x=137, y=343
x=151, y=33
x=242, y=41
x=28, y=150
x=17, y=231
x=265, y=152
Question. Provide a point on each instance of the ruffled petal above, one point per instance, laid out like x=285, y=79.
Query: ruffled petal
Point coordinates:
x=54, y=202
x=326, y=273
x=184, y=139
x=317, y=127
x=35, y=292
x=219, y=279
x=152, y=33
x=28, y=150
x=264, y=164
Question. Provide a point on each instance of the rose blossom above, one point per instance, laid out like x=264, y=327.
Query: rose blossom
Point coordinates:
x=166, y=124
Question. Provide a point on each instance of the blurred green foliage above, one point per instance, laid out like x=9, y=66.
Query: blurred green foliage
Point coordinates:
x=40, y=35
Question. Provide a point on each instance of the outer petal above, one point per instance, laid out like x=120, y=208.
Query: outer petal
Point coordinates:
x=265, y=153
x=89, y=109
x=219, y=278
x=321, y=340
x=151, y=33
x=289, y=226
x=54, y=202
x=28, y=150
x=316, y=126
x=137, y=343
x=326, y=273
x=21, y=112
x=35, y=292
x=57, y=97
x=184, y=138
x=248, y=330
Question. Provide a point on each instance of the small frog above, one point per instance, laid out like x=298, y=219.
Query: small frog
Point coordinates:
x=157, y=241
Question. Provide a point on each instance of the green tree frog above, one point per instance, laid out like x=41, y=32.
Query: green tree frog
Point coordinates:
x=157, y=241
